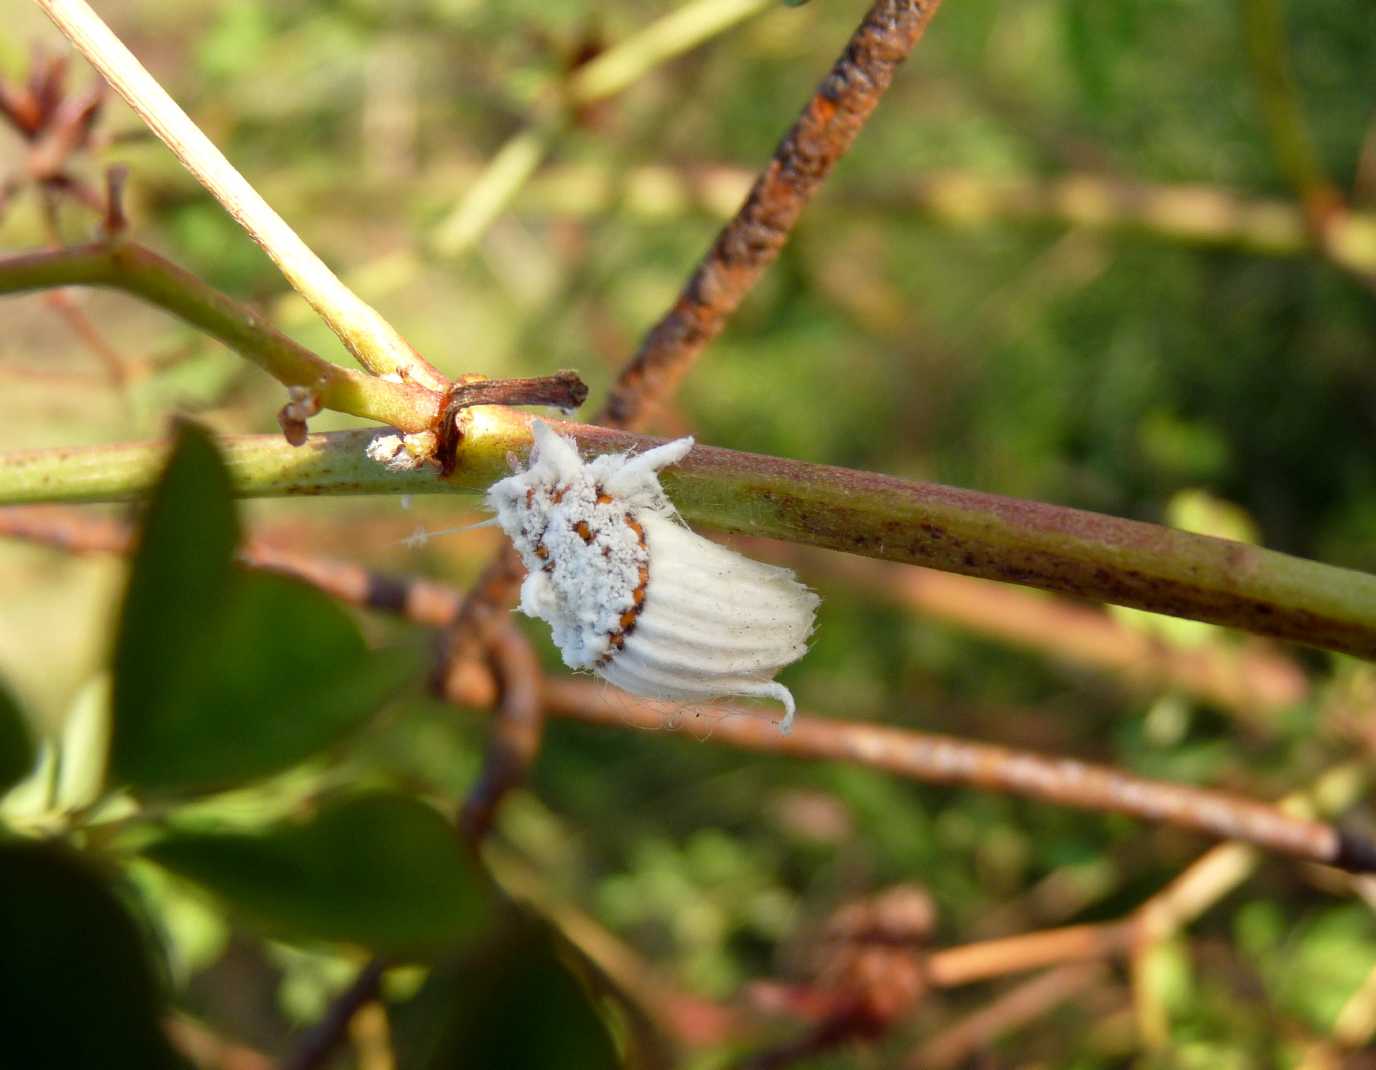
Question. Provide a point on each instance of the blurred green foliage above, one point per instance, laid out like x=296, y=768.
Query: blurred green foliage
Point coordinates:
x=1207, y=387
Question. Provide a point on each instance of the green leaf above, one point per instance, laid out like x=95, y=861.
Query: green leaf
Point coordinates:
x=380, y=870
x=84, y=747
x=182, y=569
x=223, y=676
x=16, y=746
x=284, y=673
x=77, y=987
x=532, y=1010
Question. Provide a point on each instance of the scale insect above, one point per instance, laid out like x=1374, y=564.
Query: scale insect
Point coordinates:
x=635, y=596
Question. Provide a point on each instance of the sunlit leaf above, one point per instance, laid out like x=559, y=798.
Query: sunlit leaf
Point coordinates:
x=385, y=871
x=85, y=745
x=76, y=987
x=223, y=676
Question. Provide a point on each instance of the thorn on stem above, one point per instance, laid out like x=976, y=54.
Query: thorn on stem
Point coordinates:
x=115, y=222
x=302, y=404
x=563, y=390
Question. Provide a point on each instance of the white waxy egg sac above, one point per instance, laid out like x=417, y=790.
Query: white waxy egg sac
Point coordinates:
x=634, y=595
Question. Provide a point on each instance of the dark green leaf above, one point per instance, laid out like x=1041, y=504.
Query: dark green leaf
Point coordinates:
x=182, y=569
x=531, y=1011
x=16, y=746
x=223, y=676
x=380, y=870
x=284, y=673
x=76, y=987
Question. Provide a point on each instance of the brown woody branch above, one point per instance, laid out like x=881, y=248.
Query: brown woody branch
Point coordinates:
x=751, y=241
x=947, y=760
x=563, y=390
x=319, y=1043
x=1015, y=1008
x=514, y=734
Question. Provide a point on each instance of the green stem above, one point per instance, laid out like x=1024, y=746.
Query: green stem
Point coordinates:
x=1263, y=25
x=368, y=336
x=1066, y=550
x=611, y=73
x=142, y=273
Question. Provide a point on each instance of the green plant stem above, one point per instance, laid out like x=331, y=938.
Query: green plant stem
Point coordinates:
x=1057, y=549
x=609, y=74
x=1263, y=25
x=368, y=336
x=142, y=273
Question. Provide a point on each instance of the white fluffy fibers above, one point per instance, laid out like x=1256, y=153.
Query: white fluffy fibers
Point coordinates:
x=632, y=594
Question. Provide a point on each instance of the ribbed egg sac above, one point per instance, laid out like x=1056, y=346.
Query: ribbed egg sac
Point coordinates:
x=632, y=594
x=714, y=623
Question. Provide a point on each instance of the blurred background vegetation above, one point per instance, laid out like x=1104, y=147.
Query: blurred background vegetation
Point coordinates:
x=1215, y=381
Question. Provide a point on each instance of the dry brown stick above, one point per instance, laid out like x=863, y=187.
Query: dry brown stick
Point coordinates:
x=946, y=760
x=78, y=532
x=563, y=390
x=750, y=242
x=320, y=1042
x=514, y=735
x=1013, y=1009
x=986, y=959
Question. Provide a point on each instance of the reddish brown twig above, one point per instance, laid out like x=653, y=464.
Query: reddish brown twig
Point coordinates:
x=514, y=735
x=319, y=1043
x=419, y=600
x=752, y=239
x=475, y=629
x=56, y=125
x=1012, y=1010
x=946, y=760
x=563, y=390
x=986, y=959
